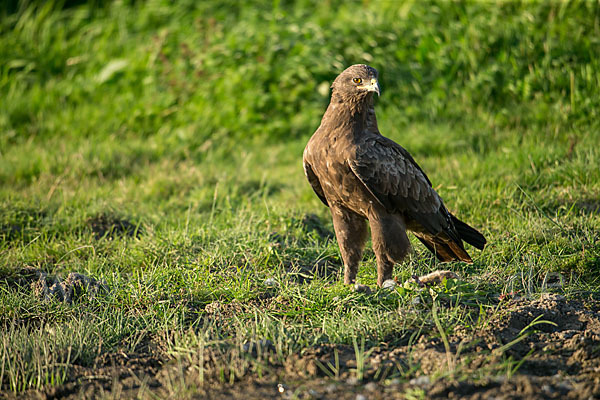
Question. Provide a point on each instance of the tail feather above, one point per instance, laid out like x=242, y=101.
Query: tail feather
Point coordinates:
x=449, y=246
x=445, y=251
x=469, y=234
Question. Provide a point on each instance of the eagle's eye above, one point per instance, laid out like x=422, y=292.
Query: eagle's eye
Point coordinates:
x=357, y=80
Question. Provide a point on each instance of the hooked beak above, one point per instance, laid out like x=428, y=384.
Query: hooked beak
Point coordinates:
x=373, y=87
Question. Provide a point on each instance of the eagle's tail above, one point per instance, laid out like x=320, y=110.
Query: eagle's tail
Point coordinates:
x=448, y=248
x=445, y=250
x=469, y=234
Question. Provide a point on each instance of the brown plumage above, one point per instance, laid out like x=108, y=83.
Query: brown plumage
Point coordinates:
x=365, y=177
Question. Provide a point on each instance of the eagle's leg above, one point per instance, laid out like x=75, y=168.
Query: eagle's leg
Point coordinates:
x=351, y=232
x=390, y=243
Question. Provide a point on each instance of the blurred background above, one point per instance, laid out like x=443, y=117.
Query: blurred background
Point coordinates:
x=186, y=72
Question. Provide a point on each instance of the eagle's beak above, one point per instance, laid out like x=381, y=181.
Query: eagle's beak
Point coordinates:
x=373, y=87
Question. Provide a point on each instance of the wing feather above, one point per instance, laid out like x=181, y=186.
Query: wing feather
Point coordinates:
x=393, y=177
x=314, y=182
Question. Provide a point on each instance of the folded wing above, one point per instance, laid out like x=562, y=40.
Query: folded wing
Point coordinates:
x=393, y=177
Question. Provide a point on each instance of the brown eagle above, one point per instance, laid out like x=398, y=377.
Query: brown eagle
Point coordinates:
x=363, y=176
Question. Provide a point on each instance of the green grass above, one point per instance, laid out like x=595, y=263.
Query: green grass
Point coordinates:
x=187, y=123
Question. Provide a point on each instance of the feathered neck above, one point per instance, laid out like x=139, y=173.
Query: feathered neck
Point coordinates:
x=356, y=111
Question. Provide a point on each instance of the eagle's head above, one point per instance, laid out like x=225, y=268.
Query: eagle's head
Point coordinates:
x=356, y=82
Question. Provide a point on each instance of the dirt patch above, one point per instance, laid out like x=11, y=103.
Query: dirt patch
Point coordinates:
x=309, y=224
x=569, y=343
x=69, y=289
x=526, y=358
x=53, y=288
x=589, y=206
x=312, y=223
x=301, y=273
x=110, y=226
x=542, y=349
x=116, y=375
x=558, y=356
x=22, y=223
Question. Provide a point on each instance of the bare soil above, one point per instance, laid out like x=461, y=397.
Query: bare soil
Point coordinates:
x=555, y=361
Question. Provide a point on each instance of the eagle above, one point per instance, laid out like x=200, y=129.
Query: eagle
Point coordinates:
x=367, y=179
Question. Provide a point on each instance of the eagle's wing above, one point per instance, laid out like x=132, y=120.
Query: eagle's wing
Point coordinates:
x=393, y=177
x=314, y=181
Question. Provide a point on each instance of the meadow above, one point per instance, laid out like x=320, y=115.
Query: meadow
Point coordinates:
x=155, y=148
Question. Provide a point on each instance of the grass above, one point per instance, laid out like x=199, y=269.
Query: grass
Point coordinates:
x=157, y=147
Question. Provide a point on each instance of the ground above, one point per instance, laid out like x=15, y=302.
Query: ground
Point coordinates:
x=547, y=348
